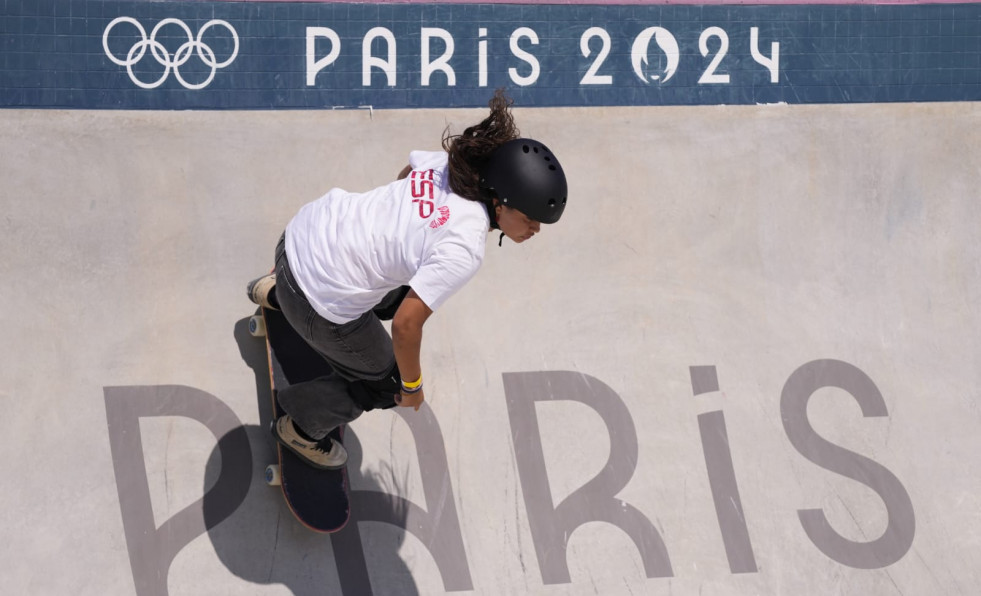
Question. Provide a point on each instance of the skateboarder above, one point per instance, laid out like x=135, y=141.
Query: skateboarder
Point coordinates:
x=348, y=260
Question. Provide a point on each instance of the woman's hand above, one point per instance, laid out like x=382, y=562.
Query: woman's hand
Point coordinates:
x=411, y=400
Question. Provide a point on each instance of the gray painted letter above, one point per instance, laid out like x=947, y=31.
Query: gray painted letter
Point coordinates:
x=437, y=526
x=722, y=477
x=596, y=500
x=152, y=549
x=898, y=537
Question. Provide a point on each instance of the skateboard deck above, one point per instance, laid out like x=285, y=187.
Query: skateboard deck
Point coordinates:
x=317, y=498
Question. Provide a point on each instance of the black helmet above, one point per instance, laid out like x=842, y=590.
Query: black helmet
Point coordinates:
x=525, y=176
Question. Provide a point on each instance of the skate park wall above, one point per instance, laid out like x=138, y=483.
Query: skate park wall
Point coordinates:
x=744, y=362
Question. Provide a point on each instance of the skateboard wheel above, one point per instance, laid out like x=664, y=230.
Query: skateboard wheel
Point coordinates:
x=273, y=477
x=257, y=326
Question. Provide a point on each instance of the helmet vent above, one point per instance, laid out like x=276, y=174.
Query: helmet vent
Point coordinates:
x=525, y=148
x=551, y=167
x=551, y=202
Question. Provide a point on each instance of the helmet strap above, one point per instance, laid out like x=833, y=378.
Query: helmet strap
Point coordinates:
x=488, y=203
x=492, y=214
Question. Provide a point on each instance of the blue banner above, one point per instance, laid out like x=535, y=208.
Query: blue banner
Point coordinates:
x=277, y=55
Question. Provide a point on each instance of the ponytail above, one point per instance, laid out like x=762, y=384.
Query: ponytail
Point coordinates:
x=468, y=151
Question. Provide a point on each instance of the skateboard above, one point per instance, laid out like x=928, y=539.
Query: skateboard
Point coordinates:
x=317, y=498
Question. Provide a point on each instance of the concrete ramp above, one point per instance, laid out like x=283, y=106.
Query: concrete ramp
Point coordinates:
x=745, y=362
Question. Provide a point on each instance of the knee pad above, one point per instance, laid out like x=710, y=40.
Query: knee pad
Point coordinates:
x=380, y=394
x=385, y=310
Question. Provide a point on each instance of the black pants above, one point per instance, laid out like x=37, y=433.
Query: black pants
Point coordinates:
x=365, y=374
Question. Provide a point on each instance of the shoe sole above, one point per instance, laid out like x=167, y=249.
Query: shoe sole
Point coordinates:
x=299, y=454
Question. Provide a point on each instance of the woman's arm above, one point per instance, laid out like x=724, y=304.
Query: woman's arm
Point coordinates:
x=407, y=342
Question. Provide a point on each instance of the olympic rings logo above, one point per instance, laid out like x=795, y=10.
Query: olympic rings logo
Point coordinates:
x=163, y=57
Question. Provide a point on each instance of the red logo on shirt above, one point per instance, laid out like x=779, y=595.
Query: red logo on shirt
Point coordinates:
x=422, y=186
x=444, y=216
x=422, y=183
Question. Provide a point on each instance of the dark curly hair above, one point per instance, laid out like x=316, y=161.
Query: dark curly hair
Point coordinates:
x=468, y=151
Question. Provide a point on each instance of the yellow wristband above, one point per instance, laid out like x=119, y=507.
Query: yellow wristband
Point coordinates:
x=413, y=384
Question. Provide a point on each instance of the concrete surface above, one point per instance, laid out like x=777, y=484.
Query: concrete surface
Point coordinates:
x=758, y=329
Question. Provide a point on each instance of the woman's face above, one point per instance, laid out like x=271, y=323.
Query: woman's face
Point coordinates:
x=516, y=225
